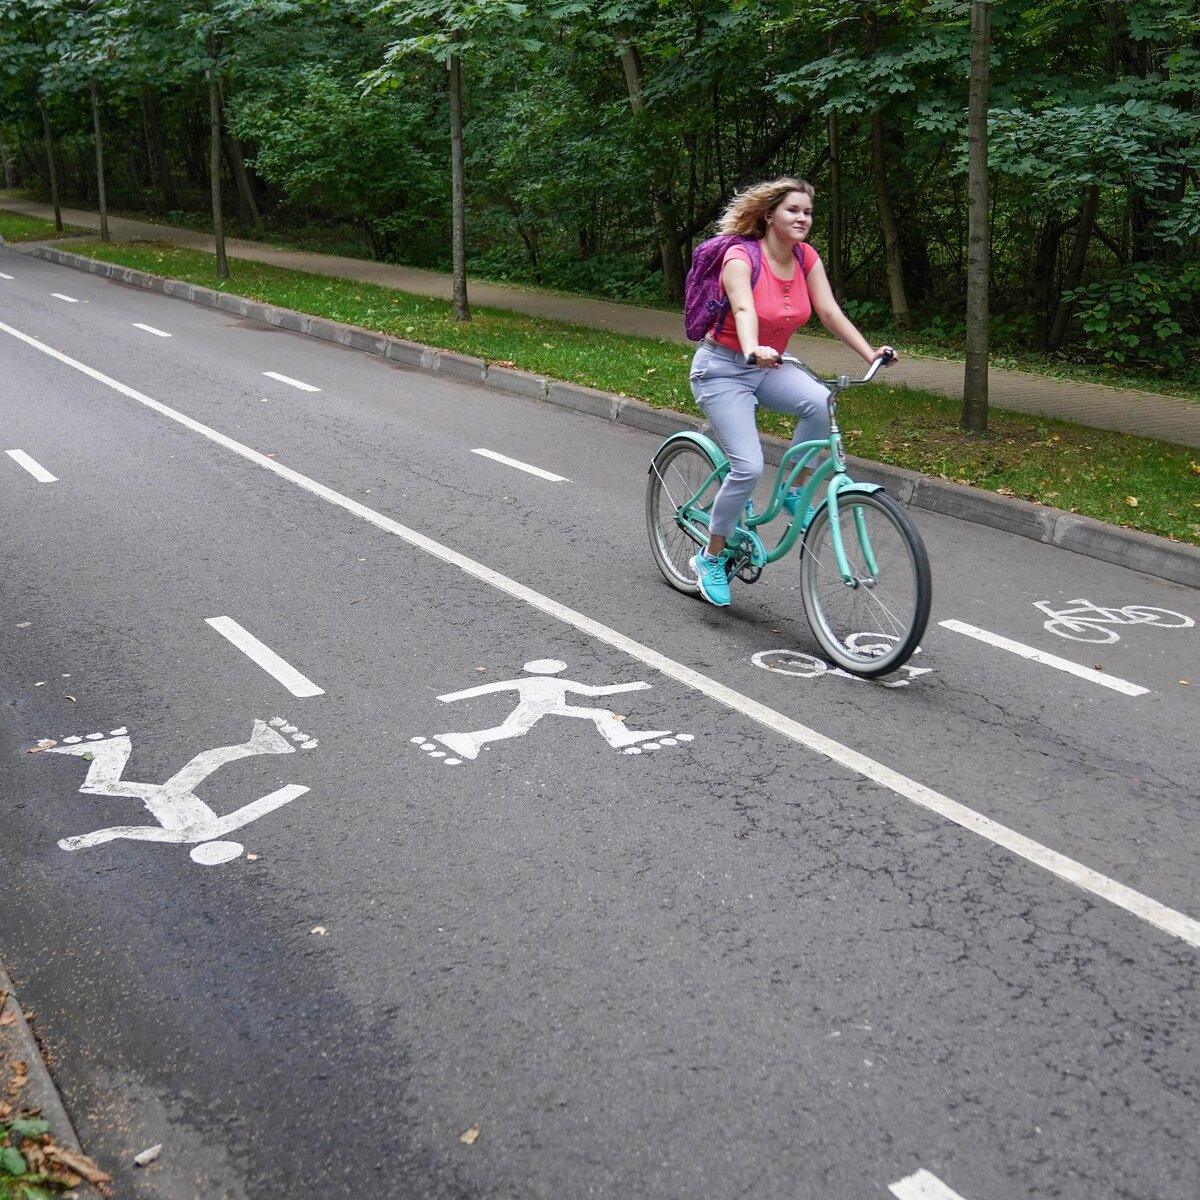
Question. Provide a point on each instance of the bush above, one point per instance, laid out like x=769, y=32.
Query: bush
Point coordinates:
x=1145, y=315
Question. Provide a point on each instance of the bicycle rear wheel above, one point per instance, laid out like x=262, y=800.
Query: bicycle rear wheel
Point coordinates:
x=682, y=479
x=872, y=625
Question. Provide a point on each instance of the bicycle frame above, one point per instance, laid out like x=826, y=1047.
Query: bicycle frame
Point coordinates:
x=830, y=475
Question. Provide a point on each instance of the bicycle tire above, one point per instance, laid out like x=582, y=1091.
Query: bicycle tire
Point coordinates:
x=875, y=625
x=677, y=473
x=1079, y=629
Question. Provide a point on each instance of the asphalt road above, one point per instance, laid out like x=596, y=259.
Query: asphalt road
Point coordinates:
x=819, y=938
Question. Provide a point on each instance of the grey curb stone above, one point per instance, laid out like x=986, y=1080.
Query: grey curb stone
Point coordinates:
x=660, y=421
x=328, y=331
x=460, y=366
x=970, y=504
x=1127, y=547
x=1175, y=561
x=517, y=383
x=411, y=354
x=584, y=400
x=227, y=302
x=19, y=1044
x=363, y=339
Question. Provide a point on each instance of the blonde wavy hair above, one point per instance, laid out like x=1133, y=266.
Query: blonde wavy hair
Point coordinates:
x=748, y=211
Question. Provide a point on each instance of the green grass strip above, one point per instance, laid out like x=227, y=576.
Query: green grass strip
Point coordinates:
x=16, y=227
x=1123, y=480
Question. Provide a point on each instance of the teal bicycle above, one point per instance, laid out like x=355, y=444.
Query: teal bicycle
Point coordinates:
x=864, y=573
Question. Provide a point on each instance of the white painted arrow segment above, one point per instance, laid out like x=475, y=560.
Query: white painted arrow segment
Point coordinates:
x=265, y=657
x=922, y=1186
x=1169, y=920
x=34, y=468
x=150, y=329
x=68, y=299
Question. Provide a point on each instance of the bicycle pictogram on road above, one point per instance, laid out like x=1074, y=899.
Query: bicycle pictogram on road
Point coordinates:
x=1088, y=622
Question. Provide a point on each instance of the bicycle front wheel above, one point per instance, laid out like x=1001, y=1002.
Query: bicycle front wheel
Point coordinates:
x=873, y=623
x=683, y=481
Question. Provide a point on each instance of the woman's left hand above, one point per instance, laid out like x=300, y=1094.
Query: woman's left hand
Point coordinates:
x=889, y=356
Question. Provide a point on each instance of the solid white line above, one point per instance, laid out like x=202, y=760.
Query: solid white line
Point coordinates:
x=512, y=462
x=150, y=329
x=265, y=657
x=1170, y=921
x=922, y=1186
x=68, y=299
x=1047, y=660
x=34, y=468
x=3, y=276
x=296, y=383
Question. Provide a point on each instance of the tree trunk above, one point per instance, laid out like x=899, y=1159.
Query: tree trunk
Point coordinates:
x=214, y=165
x=888, y=225
x=458, y=203
x=235, y=155
x=101, y=198
x=1074, y=276
x=158, y=151
x=51, y=163
x=7, y=165
x=834, y=259
x=975, y=377
x=670, y=243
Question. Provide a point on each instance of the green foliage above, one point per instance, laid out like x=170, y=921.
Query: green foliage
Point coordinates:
x=1148, y=313
x=17, y=1182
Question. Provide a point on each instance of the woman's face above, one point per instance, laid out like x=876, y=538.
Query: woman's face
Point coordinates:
x=792, y=218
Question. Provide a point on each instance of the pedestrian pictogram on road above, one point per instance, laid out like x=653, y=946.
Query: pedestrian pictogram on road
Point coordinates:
x=540, y=696
x=182, y=817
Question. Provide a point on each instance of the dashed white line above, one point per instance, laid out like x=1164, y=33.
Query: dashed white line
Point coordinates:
x=68, y=299
x=265, y=657
x=512, y=462
x=1048, y=660
x=34, y=468
x=1169, y=920
x=150, y=329
x=922, y=1186
x=296, y=383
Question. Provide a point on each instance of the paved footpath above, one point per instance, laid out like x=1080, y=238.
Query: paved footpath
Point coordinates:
x=1163, y=417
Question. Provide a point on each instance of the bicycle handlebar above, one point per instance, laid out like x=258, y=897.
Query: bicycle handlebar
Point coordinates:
x=882, y=360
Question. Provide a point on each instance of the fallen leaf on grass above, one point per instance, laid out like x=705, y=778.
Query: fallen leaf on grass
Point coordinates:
x=470, y=1137
x=147, y=1156
x=1132, y=501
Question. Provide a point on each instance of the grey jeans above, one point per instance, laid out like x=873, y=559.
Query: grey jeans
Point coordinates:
x=728, y=391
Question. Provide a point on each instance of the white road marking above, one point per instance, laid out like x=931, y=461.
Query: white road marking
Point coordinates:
x=512, y=462
x=3, y=276
x=1049, y=660
x=1170, y=921
x=150, y=329
x=922, y=1186
x=265, y=657
x=296, y=383
x=34, y=468
x=68, y=299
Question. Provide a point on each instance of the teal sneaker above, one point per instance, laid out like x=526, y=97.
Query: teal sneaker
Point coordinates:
x=710, y=574
x=792, y=502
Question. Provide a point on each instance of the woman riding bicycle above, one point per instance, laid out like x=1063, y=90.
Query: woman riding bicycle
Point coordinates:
x=737, y=366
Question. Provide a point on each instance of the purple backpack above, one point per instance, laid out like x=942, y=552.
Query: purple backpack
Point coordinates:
x=703, y=304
